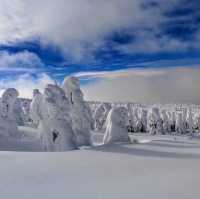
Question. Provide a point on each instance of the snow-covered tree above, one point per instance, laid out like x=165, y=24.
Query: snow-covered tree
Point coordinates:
x=179, y=124
x=100, y=115
x=197, y=121
x=166, y=122
x=185, y=122
x=116, y=130
x=190, y=121
x=172, y=121
x=26, y=109
x=35, y=107
x=143, y=120
x=136, y=120
x=155, y=122
x=18, y=113
x=130, y=122
x=54, y=120
x=8, y=123
x=80, y=111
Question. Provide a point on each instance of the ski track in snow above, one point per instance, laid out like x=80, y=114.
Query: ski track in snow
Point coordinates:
x=155, y=167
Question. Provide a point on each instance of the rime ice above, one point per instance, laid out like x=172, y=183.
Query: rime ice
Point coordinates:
x=54, y=120
x=8, y=122
x=155, y=121
x=80, y=112
x=116, y=130
x=100, y=115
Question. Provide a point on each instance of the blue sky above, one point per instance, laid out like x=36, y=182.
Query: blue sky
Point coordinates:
x=47, y=40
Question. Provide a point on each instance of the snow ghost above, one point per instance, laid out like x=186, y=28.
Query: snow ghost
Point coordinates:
x=179, y=123
x=190, y=121
x=116, y=130
x=143, y=120
x=107, y=107
x=185, y=122
x=71, y=87
x=134, y=123
x=197, y=121
x=130, y=122
x=26, y=109
x=19, y=113
x=80, y=111
x=166, y=123
x=136, y=120
x=55, y=122
x=100, y=115
x=155, y=122
x=9, y=97
x=36, y=92
x=172, y=121
x=35, y=108
x=8, y=123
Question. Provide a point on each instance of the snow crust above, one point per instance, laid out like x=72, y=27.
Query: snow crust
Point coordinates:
x=163, y=167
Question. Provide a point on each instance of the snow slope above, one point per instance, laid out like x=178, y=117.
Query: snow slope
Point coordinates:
x=157, y=167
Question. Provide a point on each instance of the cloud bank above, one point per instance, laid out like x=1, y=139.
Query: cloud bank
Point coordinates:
x=175, y=85
x=169, y=85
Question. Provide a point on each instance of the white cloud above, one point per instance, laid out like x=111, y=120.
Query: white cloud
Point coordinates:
x=172, y=85
x=25, y=84
x=22, y=61
x=80, y=26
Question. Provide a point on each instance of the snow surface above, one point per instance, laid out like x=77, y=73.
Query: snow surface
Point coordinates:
x=160, y=166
